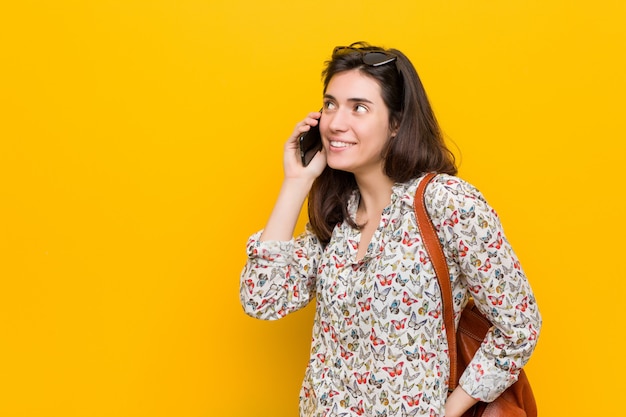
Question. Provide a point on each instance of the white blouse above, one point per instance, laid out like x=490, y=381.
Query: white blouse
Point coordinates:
x=378, y=342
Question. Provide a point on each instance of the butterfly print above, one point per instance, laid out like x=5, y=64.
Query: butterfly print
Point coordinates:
x=385, y=279
x=361, y=378
x=523, y=305
x=394, y=370
x=497, y=244
x=426, y=356
x=365, y=305
x=496, y=301
x=411, y=413
x=358, y=409
x=376, y=340
x=467, y=214
x=381, y=295
x=399, y=324
x=412, y=400
x=378, y=383
x=380, y=354
x=406, y=299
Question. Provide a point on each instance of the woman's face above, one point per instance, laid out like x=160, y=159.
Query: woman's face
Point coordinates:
x=354, y=123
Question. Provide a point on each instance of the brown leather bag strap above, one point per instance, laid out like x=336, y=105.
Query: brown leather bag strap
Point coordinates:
x=438, y=259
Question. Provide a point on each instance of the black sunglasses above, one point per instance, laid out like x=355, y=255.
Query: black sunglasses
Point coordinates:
x=371, y=58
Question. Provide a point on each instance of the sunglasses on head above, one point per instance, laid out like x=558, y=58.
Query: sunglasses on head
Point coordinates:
x=369, y=57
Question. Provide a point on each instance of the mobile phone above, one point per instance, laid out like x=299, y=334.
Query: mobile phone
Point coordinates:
x=310, y=143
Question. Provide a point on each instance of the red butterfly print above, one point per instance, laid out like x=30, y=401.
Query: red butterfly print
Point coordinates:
x=434, y=313
x=366, y=305
x=361, y=378
x=486, y=267
x=426, y=356
x=408, y=240
x=250, y=285
x=412, y=400
x=321, y=357
x=454, y=219
x=496, y=301
x=422, y=257
x=358, y=408
x=339, y=264
x=406, y=298
x=345, y=354
x=265, y=302
x=463, y=249
x=376, y=340
x=475, y=288
x=478, y=368
x=325, y=326
x=385, y=279
x=498, y=242
x=399, y=324
x=394, y=370
x=523, y=305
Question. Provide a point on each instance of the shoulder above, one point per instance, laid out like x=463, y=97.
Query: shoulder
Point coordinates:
x=447, y=196
x=442, y=188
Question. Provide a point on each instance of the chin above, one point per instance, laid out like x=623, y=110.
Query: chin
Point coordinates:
x=338, y=165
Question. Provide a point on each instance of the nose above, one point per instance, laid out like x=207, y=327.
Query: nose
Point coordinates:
x=337, y=121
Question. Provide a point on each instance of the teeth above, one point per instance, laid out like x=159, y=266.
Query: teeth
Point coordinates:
x=339, y=144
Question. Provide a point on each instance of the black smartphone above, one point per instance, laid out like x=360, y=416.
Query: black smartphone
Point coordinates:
x=310, y=143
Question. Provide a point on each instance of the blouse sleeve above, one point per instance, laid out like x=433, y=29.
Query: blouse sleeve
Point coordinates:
x=481, y=256
x=279, y=276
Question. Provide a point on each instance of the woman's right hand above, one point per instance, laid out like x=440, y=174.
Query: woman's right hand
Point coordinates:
x=296, y=184
x=292, y=163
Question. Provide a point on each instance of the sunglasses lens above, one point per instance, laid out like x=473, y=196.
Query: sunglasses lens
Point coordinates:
x=377, y=58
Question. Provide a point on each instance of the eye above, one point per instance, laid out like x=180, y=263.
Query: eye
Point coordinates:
x=329, y=105
x=360, y=108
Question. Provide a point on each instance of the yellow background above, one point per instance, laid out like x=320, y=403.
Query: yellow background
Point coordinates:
x=140, y=145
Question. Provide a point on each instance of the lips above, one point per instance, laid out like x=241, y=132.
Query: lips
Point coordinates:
x=340, y=144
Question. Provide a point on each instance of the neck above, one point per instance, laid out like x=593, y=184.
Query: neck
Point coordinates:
x=375, y=193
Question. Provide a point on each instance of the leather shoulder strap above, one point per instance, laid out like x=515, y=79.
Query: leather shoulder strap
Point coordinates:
x=438, y=259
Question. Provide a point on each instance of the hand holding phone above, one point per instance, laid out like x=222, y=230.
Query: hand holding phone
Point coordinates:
x=310, y=143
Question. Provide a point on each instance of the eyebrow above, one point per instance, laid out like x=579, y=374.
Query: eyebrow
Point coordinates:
x=355, y=99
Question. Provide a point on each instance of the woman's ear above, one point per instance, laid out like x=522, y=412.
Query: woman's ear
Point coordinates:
x=393, y=128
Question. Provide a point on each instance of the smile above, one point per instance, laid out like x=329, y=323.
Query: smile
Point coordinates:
x=336, y=144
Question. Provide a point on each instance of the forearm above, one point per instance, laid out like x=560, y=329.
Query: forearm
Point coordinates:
x=282, y=221
x=458, y=402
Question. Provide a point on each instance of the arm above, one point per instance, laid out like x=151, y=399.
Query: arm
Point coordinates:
x=490, y=271
x=458, y=402
x=295, y=187
x=279, y=276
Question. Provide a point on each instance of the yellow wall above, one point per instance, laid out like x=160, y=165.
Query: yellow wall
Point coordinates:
x=140, y=145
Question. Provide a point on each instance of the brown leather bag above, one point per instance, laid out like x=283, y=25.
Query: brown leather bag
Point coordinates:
x=518, y=399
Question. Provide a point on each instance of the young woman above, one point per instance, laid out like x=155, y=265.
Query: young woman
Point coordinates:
x=379, y=347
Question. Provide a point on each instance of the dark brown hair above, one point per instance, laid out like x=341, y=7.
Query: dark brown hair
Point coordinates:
x=417, y=147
